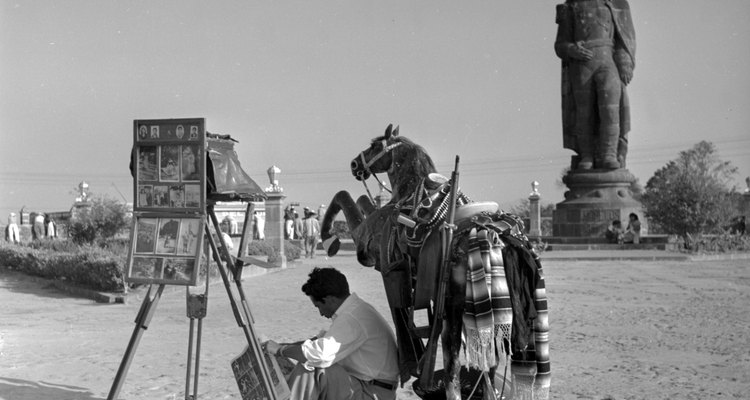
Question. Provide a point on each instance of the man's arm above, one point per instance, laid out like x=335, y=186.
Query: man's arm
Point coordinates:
x=288, y=350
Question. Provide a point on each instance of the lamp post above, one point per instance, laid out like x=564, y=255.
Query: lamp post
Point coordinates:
x=535, y=217
x=275, y=214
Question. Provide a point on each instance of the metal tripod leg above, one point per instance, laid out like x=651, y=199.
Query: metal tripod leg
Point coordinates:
x=141, y=324
x=197, y=305
x=197, y=308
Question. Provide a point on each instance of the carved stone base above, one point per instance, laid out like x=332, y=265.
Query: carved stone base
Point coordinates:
x=595, y=198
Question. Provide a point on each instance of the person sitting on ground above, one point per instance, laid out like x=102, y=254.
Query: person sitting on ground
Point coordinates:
x=633, y=231
x=355, y=359
x=614, y=232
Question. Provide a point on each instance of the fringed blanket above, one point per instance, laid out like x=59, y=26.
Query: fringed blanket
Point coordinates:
x=488, y=315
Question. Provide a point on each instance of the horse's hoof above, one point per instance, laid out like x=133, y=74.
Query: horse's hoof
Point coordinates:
x=331, y=245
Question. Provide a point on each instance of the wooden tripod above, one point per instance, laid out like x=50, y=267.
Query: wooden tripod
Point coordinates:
x=196, y=309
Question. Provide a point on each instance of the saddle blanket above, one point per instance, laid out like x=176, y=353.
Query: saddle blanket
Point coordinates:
x=488, y=314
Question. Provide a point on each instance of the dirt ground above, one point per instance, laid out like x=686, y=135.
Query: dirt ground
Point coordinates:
x=618, y=330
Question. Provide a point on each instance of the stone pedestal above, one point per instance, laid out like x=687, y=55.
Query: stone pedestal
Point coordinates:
x=275, y=223
x=595, y=198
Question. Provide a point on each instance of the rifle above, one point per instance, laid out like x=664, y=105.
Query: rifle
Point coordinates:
x=427, y=372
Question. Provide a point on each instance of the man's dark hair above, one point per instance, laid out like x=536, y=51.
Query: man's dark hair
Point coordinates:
x=324, y=282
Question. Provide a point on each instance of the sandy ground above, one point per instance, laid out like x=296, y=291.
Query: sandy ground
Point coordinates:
x=619, y=330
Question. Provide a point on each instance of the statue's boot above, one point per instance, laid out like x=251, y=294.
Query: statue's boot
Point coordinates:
x=586, y=152
x=587, y=155
x=608, y=142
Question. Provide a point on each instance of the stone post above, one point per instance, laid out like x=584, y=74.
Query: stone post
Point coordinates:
x=746, y=199
x=275, y=215
x=535, y=211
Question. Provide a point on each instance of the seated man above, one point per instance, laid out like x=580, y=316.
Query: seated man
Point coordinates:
x=355, y=359
x=614, y=232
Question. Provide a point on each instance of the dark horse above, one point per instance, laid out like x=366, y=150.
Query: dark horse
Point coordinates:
x=402, y=239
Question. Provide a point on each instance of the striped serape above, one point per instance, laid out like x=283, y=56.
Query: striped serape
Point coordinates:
x=488, y=314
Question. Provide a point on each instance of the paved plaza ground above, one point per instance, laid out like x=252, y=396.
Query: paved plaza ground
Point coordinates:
x=619, y=329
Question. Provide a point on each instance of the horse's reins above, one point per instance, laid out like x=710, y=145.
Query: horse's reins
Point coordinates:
x=366, y=164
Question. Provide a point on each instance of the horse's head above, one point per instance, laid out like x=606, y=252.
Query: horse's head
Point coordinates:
x=378, y=157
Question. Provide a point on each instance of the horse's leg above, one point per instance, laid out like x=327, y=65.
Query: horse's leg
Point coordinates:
x=451, y=337
x=342, y=201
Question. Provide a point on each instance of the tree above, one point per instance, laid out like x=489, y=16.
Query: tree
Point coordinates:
x=103, y=220
x=692, y=193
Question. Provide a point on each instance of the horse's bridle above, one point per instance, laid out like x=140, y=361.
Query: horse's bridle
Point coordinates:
x=367, y=164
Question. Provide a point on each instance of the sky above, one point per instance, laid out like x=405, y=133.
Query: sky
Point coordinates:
x=305, y=85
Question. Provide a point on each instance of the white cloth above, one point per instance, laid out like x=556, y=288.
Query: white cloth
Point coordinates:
x=359, y=340
x=227, y=241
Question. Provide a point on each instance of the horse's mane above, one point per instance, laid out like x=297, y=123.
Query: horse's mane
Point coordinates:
x=411, y=164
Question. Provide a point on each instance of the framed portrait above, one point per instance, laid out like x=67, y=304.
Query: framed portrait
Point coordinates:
x=145, y=195
x=169, y=163
x=189, y=163
x=147, y=163
x=145, y=235
x=192, y=196
x=145, y=268
x=161, y=196
x=166, y=237
x=177, y=196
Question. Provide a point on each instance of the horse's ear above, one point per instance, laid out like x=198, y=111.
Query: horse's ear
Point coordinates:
x=395, y=131
x=388, y=131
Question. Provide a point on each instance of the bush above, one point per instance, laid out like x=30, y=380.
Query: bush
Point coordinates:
x=90, y=267
x=262, y=248
x=103, y=220
x=721, y=243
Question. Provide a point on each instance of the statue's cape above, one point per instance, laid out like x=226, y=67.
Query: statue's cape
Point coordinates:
x=624, y=23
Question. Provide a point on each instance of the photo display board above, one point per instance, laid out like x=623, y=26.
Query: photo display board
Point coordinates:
x=170, y=160
x=169, y=210
x=166, y=249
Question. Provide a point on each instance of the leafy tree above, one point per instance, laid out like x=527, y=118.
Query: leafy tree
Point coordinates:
x=691, y=194
x=103, y=220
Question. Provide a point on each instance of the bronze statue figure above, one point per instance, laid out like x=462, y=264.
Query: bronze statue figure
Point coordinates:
x=596, y=42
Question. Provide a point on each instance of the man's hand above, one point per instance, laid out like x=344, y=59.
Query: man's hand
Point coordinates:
x=578, y=52
x=271, y=347
x=626, y=74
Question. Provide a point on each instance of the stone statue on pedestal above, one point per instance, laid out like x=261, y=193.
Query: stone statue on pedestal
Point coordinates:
x=596, y=42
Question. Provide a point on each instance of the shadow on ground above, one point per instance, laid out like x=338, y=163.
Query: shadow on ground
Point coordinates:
x=19, y=388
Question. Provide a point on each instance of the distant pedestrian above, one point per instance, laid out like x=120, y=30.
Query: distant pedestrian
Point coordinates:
x=50, y=227
x=310, y=233
x=259, y=225
x=297, y=226
x=11, y=231
x=37, y=229
x=289, y=222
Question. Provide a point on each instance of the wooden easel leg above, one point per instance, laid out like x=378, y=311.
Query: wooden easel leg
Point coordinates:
x=148, y=307
x=244, y=318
